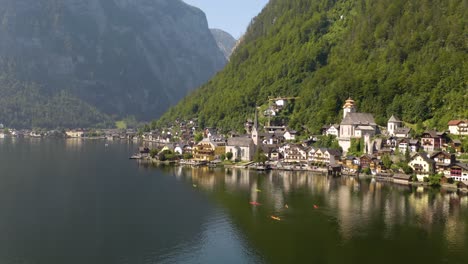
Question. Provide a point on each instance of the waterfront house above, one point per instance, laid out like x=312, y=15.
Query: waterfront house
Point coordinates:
x=323, y=156
x=204, y=150
x=365, y=161
x=242, y=148
x=401, y=178
x=458, y=127
x=443, y=161
x=71, y=133
x=351, y=163
x=459, y=171
x=293, y=153
x=422, y=165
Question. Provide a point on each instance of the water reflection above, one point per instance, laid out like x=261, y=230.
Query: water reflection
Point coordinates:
x=360, y=208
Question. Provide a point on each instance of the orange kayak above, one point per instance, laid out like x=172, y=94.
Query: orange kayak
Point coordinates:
x=275, y=218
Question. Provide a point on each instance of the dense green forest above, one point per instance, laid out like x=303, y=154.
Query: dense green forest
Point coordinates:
x=60, y=110
x=402, y=57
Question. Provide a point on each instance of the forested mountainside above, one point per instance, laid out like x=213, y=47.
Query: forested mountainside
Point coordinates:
x=403, y=57
x=225, y=41
x=89, y=60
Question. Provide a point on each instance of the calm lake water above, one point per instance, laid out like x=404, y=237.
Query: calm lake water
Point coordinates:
x=72, y=201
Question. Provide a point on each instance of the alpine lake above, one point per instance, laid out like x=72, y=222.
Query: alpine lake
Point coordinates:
x=77, y=201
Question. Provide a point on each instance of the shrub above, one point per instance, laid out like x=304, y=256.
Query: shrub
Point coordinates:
x=451, y=180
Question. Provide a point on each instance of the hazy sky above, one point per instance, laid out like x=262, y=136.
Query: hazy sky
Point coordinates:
x=232, y=16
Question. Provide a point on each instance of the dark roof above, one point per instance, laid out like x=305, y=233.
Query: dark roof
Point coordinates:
x=239, y=141
x=432, y=133
x=423, y=155
x=334, y=152
x=461, y=165
x=403, y=130
x=358, y=119
x=446, y=154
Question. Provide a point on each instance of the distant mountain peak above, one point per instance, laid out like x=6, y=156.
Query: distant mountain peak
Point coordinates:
x=226, y=42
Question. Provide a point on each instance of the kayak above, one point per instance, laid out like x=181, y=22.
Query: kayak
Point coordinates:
x=275, y=218
x=255, y=203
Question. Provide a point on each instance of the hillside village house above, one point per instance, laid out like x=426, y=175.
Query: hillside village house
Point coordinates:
x=422, y=165
x=458, y=127
x=432, y=140
x=355, y=125
x=333, y=130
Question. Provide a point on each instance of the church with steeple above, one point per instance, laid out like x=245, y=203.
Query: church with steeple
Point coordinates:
x=355, y=125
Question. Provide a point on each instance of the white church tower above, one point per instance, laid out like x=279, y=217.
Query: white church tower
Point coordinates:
x=349, y=107
x=393, y=125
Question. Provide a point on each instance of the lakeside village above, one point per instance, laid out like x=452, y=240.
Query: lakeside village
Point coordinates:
x=355, y=146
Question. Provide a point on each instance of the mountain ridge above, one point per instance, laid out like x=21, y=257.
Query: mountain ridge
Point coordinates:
x=406, y=58
x=122, y=58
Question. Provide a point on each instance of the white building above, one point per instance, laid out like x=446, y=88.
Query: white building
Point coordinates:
x=355, y=125
x=393, y=125
x=458, y=127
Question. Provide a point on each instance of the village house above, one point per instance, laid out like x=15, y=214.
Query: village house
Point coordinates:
x=204, y=150
x=242, y=148
x=432, y=140
x=414, y=145
x=403, y=145
x=403, y=132
x=333, y=130
x=365, y=161
x=422, y=165
x=324, y=156
x=293, y=153
x=458, y=127
x=457, y=145
x=443, y=161
x=459, y=172
x=290, y=135
x=351, y=163
x=74, y=133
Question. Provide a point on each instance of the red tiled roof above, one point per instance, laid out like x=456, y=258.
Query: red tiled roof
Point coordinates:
x=455, y=122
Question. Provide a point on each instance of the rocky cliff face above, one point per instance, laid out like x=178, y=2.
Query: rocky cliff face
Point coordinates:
x=126, y=57
x=225, y=41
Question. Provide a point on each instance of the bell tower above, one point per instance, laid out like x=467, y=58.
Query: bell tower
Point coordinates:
x=349, y=107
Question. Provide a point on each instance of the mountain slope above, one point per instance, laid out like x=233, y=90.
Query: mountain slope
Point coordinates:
x=406, y=58
x=134, y=57
x=224, y=40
